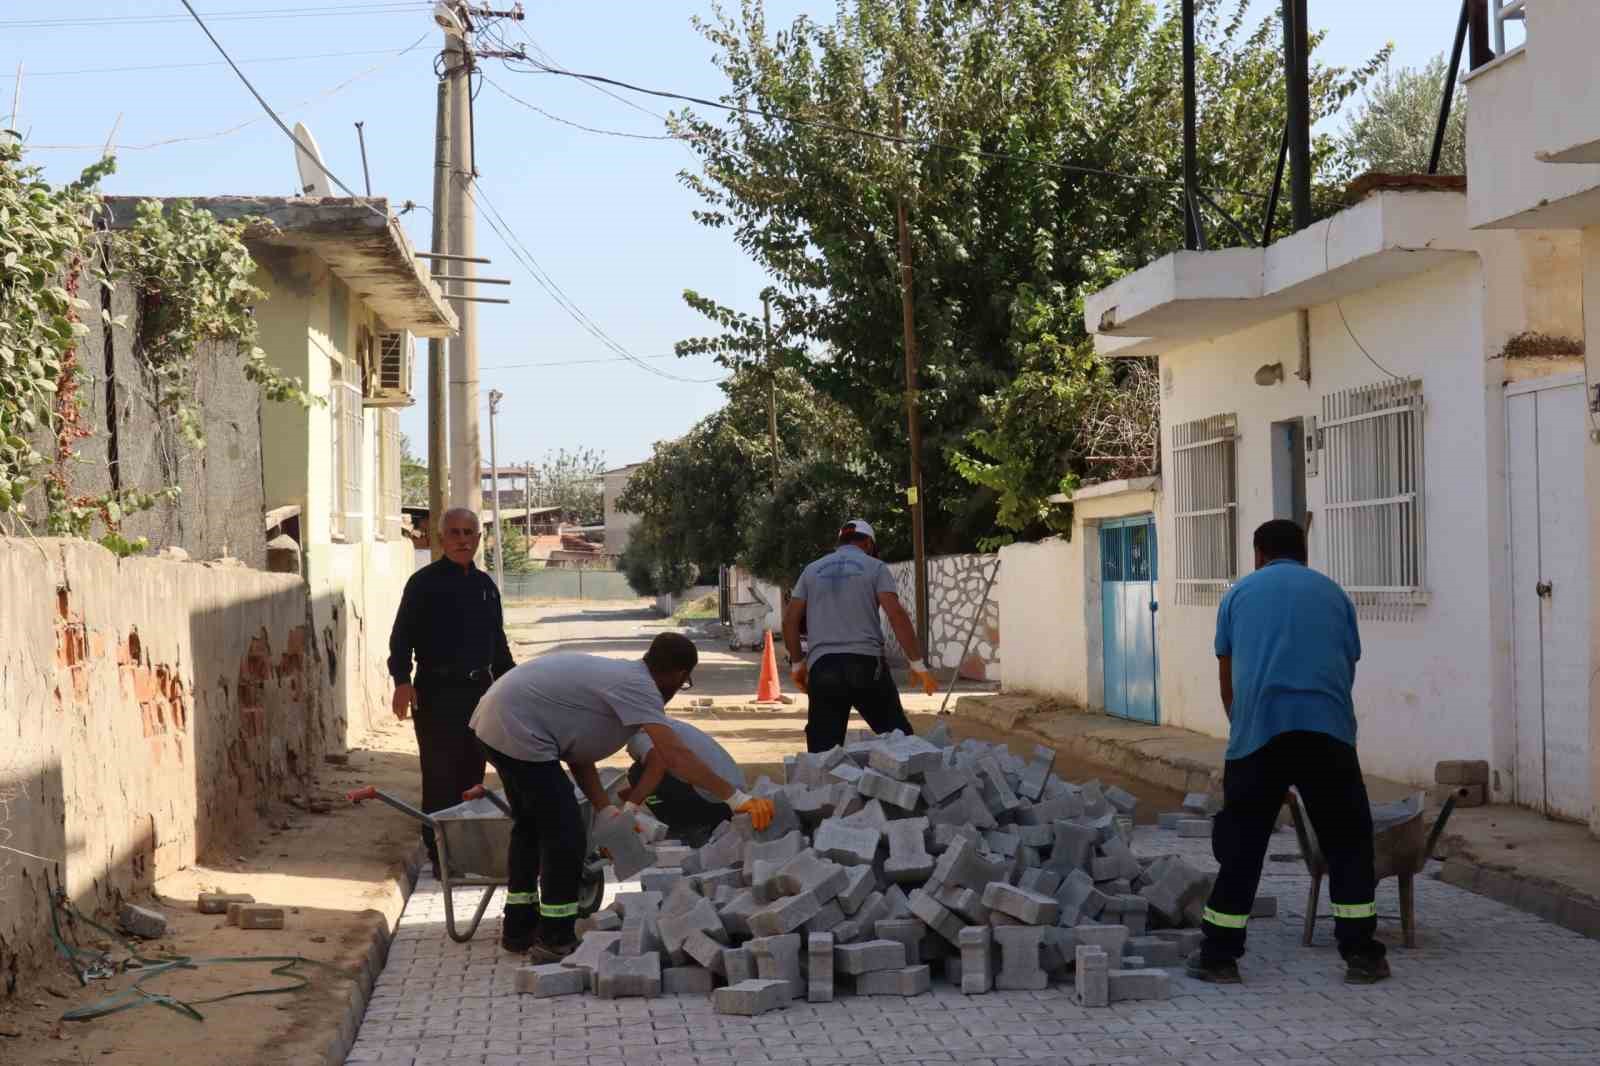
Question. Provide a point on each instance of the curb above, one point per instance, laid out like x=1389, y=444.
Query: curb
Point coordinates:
x=377, y=955
x=1553, y=902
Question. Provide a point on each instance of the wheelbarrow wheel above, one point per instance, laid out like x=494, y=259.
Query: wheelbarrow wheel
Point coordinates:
x=591, y=891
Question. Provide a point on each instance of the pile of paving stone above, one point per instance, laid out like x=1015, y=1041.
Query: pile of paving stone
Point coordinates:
x=887, y=859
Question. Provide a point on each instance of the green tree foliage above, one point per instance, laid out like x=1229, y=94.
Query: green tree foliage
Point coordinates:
x=1392, y=127
x=517, y=558
x=571, y=481
x=413, y=476
x=1012, y=113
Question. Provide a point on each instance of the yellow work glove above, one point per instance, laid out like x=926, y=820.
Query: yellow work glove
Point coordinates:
x=759, y=810
x=921, y=676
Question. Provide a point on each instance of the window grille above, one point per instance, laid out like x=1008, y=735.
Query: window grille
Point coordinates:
x=389, y=496
x=1373, y=461
x=1205, y=501
x=347, y=426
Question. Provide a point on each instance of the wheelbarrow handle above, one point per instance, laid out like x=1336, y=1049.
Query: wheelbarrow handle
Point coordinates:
x=480, y=792
x=371, y=792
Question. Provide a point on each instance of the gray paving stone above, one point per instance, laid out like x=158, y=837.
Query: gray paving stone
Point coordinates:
x=859, y=884
x=1111, y=939
x=619, y=976
x=778, y=959
x=909, y=861
x=936, y=916
x=553, y=979
x=591, y=949
x=700, y=918
x=977, y=959
x=905, y=758
x=1037, y=773
x=737, y=911
x=1155, y=950
x=149, y=924
x=1195, y=828
x=686, y=981
x=908, y=931
x=850, y=845
x=829, y=918
x=660, y=881
x=901, y=794
x=940, y=784
x=1032, y=908
x=1092, y=977
x=640, y=936
x=1138, y=985
x=628, y=851
x=905, y=981
x=1074, y=844
x=705, y=951
x=968, y=808
x=784, y=915
x=869, y=955
x=738, y=965
x=777, y=851
x=808, y=872
x=1054, y=809
x=819, y=968
x=1019, y=947
x=1040, y=880
x=750, y=998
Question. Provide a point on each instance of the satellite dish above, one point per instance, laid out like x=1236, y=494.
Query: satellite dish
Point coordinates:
x=313, y=179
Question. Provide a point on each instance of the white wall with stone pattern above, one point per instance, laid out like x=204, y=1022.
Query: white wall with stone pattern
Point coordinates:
x=955, y=597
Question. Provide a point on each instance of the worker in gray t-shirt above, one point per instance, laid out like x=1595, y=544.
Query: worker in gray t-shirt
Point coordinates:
x=578, y=709
x=838, y=597
x=690, y=813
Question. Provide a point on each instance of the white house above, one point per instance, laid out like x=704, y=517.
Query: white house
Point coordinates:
x=619, y=524
x=1408, y=379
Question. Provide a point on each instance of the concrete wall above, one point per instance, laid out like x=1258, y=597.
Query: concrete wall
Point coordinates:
x=1566, y=116
x=955, y=605
x=151, y=710
x=1437, y=685
x=1591, y=468
x=619, y=524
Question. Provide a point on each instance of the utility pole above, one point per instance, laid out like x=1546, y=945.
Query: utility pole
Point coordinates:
x=1191, y=211
x=438, y=372
x=495, y=396
x=1297, y=77
x=919, y=557
x=466, y=489
x=772, y=386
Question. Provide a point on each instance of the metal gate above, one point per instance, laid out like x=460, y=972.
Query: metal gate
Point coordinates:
x=1128, y=616
x=1546, y=423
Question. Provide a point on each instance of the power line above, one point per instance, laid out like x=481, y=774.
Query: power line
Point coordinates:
x=549, y=59
x=287, y=132
x=230, y=130
x=542, y=278
x=889, y=138
x=576, y=362
x=253, y=15
x=578, y=125
x=210, y=63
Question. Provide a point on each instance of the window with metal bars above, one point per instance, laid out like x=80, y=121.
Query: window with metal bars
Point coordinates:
x=1205, y=504
x=1375, y=540
x=389, y=475
x=347, y=432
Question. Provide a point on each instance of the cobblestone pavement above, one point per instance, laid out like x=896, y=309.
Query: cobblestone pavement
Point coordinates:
x=1487, y=984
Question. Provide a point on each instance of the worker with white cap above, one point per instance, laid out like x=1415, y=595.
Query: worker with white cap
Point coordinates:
x=838, y=598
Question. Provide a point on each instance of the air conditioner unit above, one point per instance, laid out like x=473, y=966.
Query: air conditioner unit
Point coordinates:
x=391, y=386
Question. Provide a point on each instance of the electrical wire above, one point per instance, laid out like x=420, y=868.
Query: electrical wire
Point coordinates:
x=229, y=131
x=549, y=59
x=1327, y=237
x=578, y=125
x=251, y=15
x=888, y=138
x=287, y=132
x=208, y=63
x=574, y=362
x=542, y=278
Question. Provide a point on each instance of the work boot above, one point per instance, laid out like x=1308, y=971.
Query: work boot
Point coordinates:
x=543, y=951
x=519, y=927
x=1212, y=971
x=1365, y=969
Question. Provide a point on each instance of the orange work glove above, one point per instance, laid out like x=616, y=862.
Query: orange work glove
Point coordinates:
x=759, y=810
x=920, y=675
x=799, y=674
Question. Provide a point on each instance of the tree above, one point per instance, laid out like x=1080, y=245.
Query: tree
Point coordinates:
x=517, y=560
x=413, y=476
x=1043, y=143
x=572, y=482
x=1392, y=128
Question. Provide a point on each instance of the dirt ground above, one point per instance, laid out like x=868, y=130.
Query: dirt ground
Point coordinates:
x=340, y=873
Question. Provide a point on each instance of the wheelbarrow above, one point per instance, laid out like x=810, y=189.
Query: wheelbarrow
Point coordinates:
x=1401, y=848
x=474, y=840
x=749, y=624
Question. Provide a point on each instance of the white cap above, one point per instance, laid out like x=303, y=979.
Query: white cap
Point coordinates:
x=861, y=526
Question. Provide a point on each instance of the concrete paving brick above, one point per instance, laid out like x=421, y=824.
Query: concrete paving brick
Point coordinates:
x=905, y=758
x=849, y=845
x=1058, y=808
x=750, y=998
x=1040, y=837
x=1019, y=947
x=977, y=959
x=737, y=911
x=859, y=884
x=1154, y=950
x=936, y=916
x=989, y=770
x=702, y=918
x=217, y=902
x=686, y=981
x=599, y=921
x=1037, y=773
x=1195, y=828
x=591, y=949
x=964, y=902
x=859, y=926
x=901, y=794
x=829, y=918
x=909, y=861
x=1264, y=907
x=620, y=976
x=870, y=815
x=1108, y=938
x=1092, y=977
x=847, y=772
x=1001, y=844
x=1073, y=845
x=640, y=936
x=869, y=955
x=257, y=916
x=724, y=850
x=661, y=881
x=553, y=979
x=705, y=951
x=812, y=805
x=1040, y=880
x=1129, y=910
x=1073, y=896
x=629, y=904
x=968, y=808
x=1120, y=855
x=777, y=958
x=738, y=965
x=784, y=915
x=808, y=872
x=1169, y=820
x=149, y=924
x=684, y=896
x=897, y=903
x=908, y=931
x=628, y=851
x=819, y=968
x=1032, y=908
x=777, y=851
x=1141, y=984
x=940, y=784
x=1122, y=801
x=1188, y=940
x=1095, y=804
x=905, y=981
x=709, y=882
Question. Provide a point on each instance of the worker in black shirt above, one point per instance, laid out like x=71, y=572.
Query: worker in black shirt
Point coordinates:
x=450, y=619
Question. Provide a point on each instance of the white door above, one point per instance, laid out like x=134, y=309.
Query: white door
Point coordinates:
x=1546, y=424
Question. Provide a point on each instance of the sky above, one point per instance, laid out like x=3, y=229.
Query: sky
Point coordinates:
x=606, y=217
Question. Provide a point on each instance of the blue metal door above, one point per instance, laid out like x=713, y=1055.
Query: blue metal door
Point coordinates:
x=1128, y=616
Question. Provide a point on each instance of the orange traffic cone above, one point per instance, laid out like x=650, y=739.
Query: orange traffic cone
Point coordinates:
x=767, y=691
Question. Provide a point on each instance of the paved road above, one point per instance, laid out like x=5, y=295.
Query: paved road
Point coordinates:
x=1487, y=985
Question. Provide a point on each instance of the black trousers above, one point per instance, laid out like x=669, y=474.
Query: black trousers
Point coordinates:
x=548, y=839
x=839, y=682
x=1328, y=776
x=452, y=760
x=688, y=815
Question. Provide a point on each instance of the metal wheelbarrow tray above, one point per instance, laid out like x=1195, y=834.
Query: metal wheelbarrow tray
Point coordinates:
x=474, y=842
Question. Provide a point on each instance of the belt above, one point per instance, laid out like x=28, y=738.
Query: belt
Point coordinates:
x=481, y=675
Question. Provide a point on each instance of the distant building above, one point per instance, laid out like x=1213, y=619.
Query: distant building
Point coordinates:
x=619, y=525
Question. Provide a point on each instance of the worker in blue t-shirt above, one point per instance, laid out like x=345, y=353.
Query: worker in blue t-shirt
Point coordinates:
x=1287, y=647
